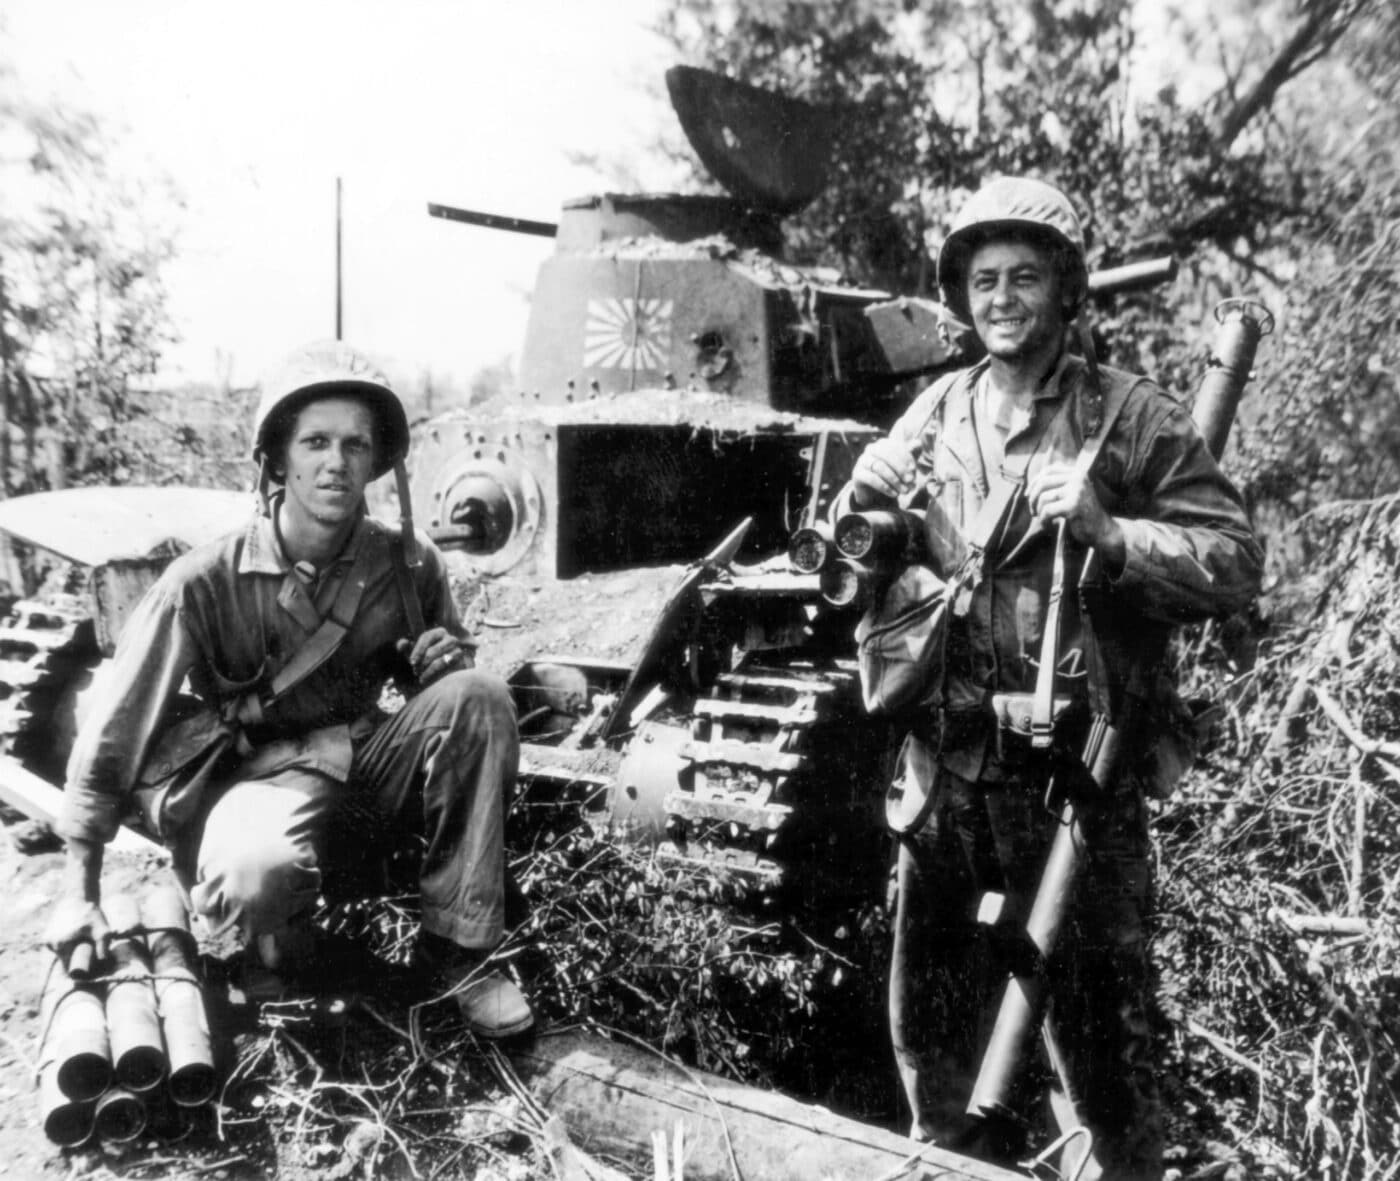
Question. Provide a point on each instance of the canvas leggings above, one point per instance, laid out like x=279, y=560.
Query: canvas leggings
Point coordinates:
x=443, y=766
x=945, y=979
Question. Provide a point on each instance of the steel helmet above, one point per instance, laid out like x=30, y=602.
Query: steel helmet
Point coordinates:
x=324, y=368
x=1014, y=205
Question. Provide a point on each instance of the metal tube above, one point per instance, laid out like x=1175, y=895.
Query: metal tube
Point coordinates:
x=1022, y=1002
x=80, y=965
x=878, y=536
x=66, y=1123
x=133, y=1019
x=1023, y=998
x=811, y=548
x=495, y=221
x=846, y=583
x=1243, y=323
x=119, y=1117
x=75, y=1037
x=183, y=1019
x=1132, y=276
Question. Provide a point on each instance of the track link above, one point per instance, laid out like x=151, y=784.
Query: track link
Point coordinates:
x=755, y=772
x=43, y=643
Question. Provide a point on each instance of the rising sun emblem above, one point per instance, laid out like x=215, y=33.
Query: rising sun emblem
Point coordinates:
x=627, y=333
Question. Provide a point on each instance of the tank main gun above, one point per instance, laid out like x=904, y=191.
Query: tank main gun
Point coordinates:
x=495, y=221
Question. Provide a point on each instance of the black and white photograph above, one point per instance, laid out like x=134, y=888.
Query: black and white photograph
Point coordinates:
x=700, y=590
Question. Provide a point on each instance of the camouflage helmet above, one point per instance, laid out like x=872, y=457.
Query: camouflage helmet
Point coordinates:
x=1013, y=206
x=323, y=369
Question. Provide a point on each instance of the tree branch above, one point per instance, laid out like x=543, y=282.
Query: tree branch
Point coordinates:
x=1323, y=24
x=1367, y=746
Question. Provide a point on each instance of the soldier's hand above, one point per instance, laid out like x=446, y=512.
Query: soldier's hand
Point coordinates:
x=884, y=471
x=1061, y=492
x=75, y=920
x=436, y=652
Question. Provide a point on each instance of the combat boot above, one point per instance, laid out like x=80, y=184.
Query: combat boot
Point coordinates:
x=490, y=1002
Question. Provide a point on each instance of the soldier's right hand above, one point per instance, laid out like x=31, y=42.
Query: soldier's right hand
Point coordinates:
x=884, y=471
x=75, y=920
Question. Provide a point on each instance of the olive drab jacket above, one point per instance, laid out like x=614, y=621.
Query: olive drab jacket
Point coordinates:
x=1190, y=550
x=228, y=615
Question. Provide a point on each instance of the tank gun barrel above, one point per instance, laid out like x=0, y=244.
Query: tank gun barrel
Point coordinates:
x=495, y=221
x=1132, y=276
x=918, y=336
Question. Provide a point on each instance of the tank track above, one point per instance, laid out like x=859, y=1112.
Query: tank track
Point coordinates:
x=44, y=644
x=779, y=779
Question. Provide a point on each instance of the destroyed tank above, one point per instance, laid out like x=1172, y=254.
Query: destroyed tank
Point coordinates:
x=681, y=383
x=73, y=564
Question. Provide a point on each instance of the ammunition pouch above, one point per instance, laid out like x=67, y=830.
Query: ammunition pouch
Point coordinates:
x=1015, y=730
x=188, y=759
x=1014, y=711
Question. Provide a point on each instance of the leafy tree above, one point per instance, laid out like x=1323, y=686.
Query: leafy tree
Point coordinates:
x=932, y=96
x=82, y=307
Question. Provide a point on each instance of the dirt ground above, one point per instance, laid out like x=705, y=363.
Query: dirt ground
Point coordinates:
x=606, y=617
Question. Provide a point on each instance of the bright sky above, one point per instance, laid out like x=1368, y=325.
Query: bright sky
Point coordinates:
x=255, y=108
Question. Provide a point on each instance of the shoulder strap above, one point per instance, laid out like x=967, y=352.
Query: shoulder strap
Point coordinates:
x=1109, y=403
x=940, y=389
x=948, y=383
x=316, y=649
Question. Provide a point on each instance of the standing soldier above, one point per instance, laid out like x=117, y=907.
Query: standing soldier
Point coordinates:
x=287, y=632
x=1172, y=544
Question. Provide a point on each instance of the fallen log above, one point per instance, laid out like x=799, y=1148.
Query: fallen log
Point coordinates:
x=40, y=800
x=612, y=1096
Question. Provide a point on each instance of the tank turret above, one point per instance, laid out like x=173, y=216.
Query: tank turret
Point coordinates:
x=676, y=374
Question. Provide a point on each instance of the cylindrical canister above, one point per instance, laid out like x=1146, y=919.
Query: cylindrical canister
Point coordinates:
x=184, y=1021
x=1243, y=323
x=133, y=1020
x=119, y=1116
x=811, y=548
x=66, y=1124
x=847, y=583
x=881, y=537
x=75, y=1042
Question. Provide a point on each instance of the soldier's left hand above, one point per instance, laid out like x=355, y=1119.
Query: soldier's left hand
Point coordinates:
x=1061, y=492
x=437, y=652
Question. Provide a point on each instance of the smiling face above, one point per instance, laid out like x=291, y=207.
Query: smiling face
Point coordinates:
x=327, y=461
x=1015, y=294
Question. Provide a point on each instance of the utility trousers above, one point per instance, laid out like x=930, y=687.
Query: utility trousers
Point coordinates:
x=444, y=766
x=946, y=971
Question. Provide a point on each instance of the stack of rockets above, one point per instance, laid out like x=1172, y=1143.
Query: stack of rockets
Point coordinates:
x=127, y=1050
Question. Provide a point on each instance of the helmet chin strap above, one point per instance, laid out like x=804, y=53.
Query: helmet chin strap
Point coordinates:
x=265, y=483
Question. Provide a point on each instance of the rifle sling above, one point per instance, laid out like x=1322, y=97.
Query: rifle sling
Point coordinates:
x=1042, y=705
x=408, y=592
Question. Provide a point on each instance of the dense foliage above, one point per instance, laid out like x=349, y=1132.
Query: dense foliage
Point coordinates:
x=83, y=317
